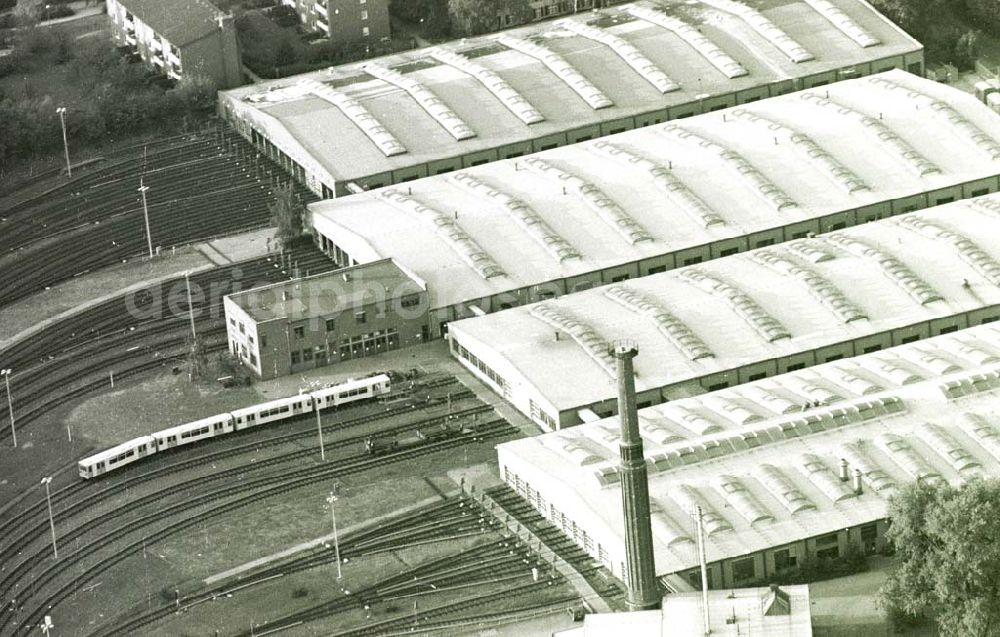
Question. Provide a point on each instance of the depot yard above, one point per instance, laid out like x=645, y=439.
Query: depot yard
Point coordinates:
x=271, y=525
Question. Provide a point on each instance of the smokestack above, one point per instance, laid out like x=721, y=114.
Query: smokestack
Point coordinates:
x=845, y=473
x=642, y=592
x=858, y=487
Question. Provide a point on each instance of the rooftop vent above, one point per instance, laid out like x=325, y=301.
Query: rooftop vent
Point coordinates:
x=891, y=267
x=448, y=229
x=668, y=183
x=739, y=165
x=585, y=336
x=529, y=220
x=606, y=208
x=903, y=151
x=812, y=152
x=943, y=110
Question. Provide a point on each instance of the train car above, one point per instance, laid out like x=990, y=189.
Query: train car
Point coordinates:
x=353, y=391
x=116, y=457
x=378, y=445
x=272, y=411
x=193, y=431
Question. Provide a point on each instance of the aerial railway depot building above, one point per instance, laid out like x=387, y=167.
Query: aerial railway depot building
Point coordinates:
x=746, y=316
x=789, y=469
x=644, y=202
x=432, y=111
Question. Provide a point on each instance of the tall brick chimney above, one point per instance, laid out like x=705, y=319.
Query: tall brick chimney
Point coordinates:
x=642, y=591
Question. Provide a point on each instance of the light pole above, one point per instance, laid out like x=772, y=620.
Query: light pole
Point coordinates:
x=52, y=524
x=10, y=403
x=322, y=453
x=62, y=120
x=336, y=542
x=187, y=284
x=145, y=213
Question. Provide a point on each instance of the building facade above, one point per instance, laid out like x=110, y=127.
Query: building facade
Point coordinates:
x=787, y=472
x=324, y=319
x=363, y=21
x=179, y=37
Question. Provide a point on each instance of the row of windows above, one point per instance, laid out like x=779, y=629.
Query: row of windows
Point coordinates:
x=868, y=349
x=541, y=415
x=497, y=379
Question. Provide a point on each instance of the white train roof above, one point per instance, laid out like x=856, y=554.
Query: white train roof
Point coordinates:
x=767, y=475
x=119, y=449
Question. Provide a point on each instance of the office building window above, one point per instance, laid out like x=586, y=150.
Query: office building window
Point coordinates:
x=365, y=31
x=364, y=15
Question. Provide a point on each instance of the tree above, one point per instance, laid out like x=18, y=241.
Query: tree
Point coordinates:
x=472, y=17
x=287, y=213
x=948, y=544
x=197, y=360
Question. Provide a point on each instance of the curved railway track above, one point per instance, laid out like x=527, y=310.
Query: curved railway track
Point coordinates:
x=24, y=536
x=438, y=522
x=262, y=487
x=72, y=358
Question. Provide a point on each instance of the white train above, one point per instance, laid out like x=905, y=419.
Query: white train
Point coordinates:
x=128, y=452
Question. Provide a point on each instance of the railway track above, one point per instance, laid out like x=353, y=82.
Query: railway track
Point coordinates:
x=18, y=526
x=262, y=488
x=67, y=361
x=439, y=521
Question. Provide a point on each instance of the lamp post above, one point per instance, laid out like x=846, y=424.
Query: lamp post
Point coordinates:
x=62, y=120
x=52, y=524
x=145, y=213
x=322, y=452
x=187, y=284
x=336, y=542
x=10, y=403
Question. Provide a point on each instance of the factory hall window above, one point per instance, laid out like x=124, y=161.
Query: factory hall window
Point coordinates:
x=743, y=570
x=692, y=260
x=410, y=301
x=295, y=358
x=331, y=324
x=910, y=339
x=243, y=330
x=784, y=560
x=360, y=317
x=300, y=332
